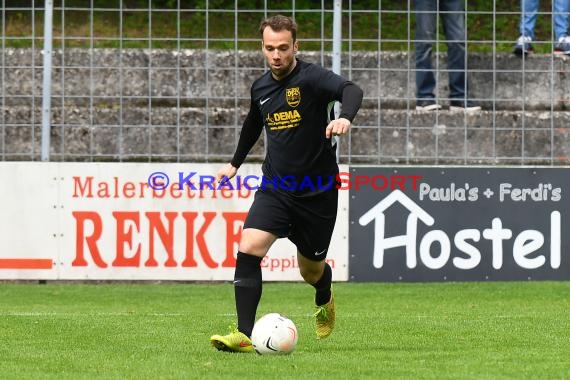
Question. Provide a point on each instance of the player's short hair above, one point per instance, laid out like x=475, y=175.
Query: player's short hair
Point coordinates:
x=279, y=23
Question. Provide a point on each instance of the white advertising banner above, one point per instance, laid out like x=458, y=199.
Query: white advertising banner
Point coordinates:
x=133, y=221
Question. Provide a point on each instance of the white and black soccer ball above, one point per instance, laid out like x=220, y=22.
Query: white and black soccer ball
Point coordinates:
x=274, y=334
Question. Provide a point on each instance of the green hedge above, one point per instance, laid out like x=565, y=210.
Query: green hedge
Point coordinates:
x=492, y=26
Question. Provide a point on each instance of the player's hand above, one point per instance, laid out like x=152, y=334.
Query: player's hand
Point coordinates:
x=227, y=171
x=337, y=127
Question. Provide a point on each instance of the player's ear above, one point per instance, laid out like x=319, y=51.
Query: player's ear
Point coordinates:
x=295, y=47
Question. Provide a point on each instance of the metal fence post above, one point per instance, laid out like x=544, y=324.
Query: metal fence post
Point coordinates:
x=336, y=58
x=46, y=89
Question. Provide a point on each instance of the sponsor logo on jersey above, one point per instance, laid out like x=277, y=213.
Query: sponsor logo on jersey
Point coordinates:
x=293, y=96
x=283, y=120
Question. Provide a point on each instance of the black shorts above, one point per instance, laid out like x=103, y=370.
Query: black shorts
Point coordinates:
x=307, y=221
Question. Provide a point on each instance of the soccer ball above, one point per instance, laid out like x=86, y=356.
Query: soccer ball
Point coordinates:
x=274, y=334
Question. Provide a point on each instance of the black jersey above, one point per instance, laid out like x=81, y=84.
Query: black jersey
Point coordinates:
x=295, y=112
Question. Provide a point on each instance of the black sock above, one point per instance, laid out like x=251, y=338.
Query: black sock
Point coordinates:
x=323, y=287
x=247, y=288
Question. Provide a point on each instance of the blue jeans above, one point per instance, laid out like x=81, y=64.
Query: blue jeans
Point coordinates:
x=452, y=14
x=560, y=9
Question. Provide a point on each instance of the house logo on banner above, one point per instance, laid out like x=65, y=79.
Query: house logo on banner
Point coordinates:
x=484, y=230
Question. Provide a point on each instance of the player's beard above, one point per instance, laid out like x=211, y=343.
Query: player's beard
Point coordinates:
x=283, y=70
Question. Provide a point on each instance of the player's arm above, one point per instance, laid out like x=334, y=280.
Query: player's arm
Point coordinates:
x=250, y=131
x=351, y=100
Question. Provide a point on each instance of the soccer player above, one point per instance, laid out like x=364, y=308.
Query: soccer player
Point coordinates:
x=293, y=102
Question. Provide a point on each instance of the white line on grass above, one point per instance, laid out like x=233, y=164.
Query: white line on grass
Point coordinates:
x=110, y=314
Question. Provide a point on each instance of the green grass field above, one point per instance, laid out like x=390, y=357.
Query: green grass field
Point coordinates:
x=384, y=331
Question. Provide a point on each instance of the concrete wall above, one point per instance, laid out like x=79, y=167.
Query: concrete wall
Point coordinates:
x=516, y=126
x=538, y=82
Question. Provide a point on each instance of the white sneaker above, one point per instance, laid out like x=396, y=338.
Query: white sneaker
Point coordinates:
x=427, y=105
x=466, y=106
x=523, y=46
x=563, y=45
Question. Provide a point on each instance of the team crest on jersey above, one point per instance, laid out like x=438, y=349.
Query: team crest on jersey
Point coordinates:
x=293, y=96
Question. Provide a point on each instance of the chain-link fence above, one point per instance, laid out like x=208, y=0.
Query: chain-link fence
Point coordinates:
x=169, y=81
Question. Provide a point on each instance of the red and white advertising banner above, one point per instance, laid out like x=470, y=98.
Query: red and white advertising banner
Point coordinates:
x=133, y=221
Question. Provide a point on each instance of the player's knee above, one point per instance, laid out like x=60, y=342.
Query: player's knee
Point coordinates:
x=255, y=243
x=252, y=248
